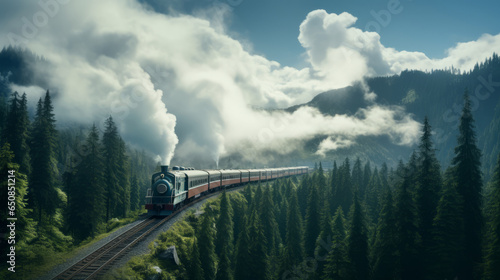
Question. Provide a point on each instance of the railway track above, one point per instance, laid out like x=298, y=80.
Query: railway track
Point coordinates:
x=96, y=264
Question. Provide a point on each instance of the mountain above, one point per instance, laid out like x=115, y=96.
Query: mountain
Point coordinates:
x=438, y=95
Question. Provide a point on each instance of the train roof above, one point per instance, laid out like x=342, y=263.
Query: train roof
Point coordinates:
x=189, y=173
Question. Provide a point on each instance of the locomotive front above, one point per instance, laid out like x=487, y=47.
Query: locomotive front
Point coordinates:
x=159, y=199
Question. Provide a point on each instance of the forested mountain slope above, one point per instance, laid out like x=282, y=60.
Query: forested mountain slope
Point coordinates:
x=437, y=95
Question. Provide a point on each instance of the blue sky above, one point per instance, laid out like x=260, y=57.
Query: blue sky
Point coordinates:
x=431, y=27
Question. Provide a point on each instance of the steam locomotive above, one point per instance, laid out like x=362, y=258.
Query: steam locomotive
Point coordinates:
x=171, y=189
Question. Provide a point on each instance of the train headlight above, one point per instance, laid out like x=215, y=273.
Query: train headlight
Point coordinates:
x=161, y=188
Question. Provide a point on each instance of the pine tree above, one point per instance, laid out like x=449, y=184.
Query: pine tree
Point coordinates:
x=343, y=193
x=312, y=229
x=337, y=264
x=43, y=178
x=243, y=256
x=357, y=242
x=406, y=230
x=384, y=249
x=134, y=193
x=258, y=264
x=17, y=130
x=468, y=175
x=321, y=177
x=357, y=177
x=15, y=184
x=206, y=245
x=372, y=196
x=294, y=250
x=323, y=246
x=270, y=226
x=195, y=271
x=85, y=192
x=447, y=233
x=224, y=226
x=111, y=145
x=428, y=187
x=123, y=180
x=332, y=190
x=492, y=250
x=367, y=175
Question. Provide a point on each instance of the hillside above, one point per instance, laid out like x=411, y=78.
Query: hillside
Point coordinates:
x=438, y=95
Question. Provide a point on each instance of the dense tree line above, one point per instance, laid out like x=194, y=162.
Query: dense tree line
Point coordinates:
x=69, y=185
x=410, y=222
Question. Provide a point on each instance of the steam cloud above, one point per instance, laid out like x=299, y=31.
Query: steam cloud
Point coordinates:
x=170, y=79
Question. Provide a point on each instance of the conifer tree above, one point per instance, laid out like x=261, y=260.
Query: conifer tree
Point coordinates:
x=282, y=218
x=294, y=250
x=406, y=230
x=85, y=192
x=384, y=249
x=123, y=180
x=312, y=228
x=384, y=180
x=492, y=250
x=321, y=177
x=15, y=184
x=43, y=178
x=302, y=193
x=224, y=226
x=243, y=256
x=111, y=145
x=357, y=242
x=323, y=246
x=269, y=224
x=134, y=193
x=332, y=190
x=195, y=271
x=372, y=196
x=337, y=263
x=467, y=165
x=357, y=177
x=367, y=175
x=17, y=130
x=343, y=193
x=428, y=187
x=447, y=233
x=206, y=245
x=258, y=264
x=239, y=205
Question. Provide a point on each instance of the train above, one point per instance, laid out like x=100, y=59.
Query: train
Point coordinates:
x=173, y=188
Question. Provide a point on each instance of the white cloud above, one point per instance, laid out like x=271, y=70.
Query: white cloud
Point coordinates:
x=337, y=49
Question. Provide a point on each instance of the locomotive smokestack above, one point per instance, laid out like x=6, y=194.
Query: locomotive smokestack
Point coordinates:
x=164, y=168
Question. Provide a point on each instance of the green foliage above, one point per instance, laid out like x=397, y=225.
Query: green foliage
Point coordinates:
x=294, y=250
x=426, y=198
x=357, y=242
x=44, y=175
x=258, y=264
x=492, y=250
x=337, y=264
x=205, y=238
x=467, y=165
x=17, y=131
x=385, y=247
x=85, y=188
x=224, y=227
x=243, y=256
x=312, y=222
x=406, y=228
x=448, y=232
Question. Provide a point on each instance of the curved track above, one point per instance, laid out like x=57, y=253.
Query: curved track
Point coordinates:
x=96, y=264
